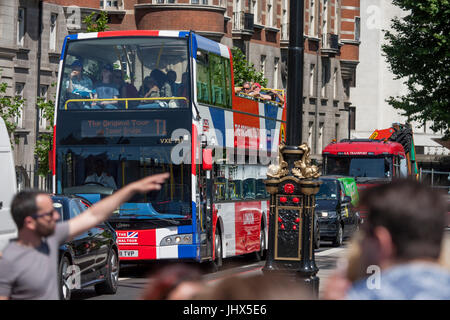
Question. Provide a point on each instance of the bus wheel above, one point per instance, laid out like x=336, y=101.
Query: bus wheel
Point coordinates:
x=260, y=255
x=218, y=251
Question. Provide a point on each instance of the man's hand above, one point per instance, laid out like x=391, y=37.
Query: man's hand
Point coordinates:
x=74, y=73
x=150, y=183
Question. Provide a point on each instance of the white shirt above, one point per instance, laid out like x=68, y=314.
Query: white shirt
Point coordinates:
x=104, y=179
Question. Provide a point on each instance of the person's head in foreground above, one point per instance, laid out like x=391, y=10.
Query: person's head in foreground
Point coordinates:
x=396, y=256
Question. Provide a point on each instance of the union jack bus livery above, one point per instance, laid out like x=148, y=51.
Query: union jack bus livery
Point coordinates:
x=136, y=103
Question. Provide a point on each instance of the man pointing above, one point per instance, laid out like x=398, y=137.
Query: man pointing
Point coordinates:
x=28, y=267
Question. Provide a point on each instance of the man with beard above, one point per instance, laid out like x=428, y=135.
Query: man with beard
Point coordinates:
x=28, y=267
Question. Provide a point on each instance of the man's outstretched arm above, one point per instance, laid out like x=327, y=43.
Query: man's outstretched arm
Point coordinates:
x=104, y=208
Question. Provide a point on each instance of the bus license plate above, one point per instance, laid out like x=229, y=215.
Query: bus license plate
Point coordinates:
x=128, y=253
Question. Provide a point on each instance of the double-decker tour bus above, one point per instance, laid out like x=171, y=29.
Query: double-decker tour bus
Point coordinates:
x=136, y=103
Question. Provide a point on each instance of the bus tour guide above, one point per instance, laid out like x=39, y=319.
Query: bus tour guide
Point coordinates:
x=28, y=267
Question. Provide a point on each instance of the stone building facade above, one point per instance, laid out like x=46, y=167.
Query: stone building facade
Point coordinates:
x=24, y=75
x=377, y=84
x=259, y=27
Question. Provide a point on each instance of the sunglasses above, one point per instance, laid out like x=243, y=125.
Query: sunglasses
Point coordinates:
x=246, y=88
x=47, y=214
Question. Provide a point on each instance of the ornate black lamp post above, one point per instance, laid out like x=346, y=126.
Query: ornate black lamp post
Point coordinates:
x=292, y=183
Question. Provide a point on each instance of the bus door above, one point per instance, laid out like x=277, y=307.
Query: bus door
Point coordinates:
x=206, y=214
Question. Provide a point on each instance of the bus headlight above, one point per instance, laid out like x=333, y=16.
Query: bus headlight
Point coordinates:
x=176, y=240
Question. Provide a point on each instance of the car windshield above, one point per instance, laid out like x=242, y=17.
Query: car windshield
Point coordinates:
x=328, y=190
x=134, y=72
x=360, y=167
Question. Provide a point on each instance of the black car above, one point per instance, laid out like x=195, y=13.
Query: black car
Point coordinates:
x=90, y=259
x=338, y=217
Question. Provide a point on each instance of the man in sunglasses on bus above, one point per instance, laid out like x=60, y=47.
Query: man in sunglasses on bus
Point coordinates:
x=246, y=88
x=28, y=267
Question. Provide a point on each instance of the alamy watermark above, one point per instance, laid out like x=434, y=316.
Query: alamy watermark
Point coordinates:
x=247, y=146
x=373, y=282
x=73, y=17
x=72, y=277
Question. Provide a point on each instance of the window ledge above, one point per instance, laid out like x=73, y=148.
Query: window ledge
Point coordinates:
x=272, y=29
x=311, y=38
x=258, y=26
x=54, y=54
x=23, y=50
x=21, y=132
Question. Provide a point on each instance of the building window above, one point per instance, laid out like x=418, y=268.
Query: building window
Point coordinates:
x=270, y=13
x=336, y=16
x=335, y=84
x=312, y=18
x=112, y=4
x=320, y=138
x=53, y=20
x=262, y=66
x=336, y=131
x=255, y=11
x=310, y=133
x=44, y=96
x=21, y=26
x=19, y=93
x=284, y=24
x=357, y=28
x=325, y=20
x=352, y=118
x=276, y=68
x=325, y=76
x=198, y=1
x=312, y=71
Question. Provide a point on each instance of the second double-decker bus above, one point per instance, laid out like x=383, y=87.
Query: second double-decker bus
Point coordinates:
x=136, y=103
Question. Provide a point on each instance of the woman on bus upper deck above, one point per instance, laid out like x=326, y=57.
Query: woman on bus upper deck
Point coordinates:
x=106, y=89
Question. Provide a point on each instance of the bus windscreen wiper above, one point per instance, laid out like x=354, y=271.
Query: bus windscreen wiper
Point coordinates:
x=156, y=217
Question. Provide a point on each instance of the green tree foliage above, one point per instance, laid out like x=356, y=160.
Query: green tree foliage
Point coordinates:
x=96, y=22
x=45, y=142
x=245, y=71
x=418, y=51
x=10, y=108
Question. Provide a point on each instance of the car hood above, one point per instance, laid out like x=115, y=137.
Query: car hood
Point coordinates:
x=326, y=205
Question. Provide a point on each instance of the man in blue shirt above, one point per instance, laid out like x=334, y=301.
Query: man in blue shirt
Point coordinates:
x=399, y=248
x=78, y=86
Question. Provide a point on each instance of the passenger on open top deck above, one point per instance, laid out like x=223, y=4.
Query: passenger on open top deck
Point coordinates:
x=256, y=92
x=106, y=89
x=78, y=86
x=246, y=88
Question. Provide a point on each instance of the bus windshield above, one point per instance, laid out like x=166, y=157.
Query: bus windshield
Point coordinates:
x=360, y=167
x=93, y=171
x=125, y=73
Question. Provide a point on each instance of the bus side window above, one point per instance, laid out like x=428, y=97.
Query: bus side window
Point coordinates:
x=228, y=84
x=203, y=78
x=218, y=78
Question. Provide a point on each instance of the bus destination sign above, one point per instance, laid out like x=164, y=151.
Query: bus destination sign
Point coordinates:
x=123, y=128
